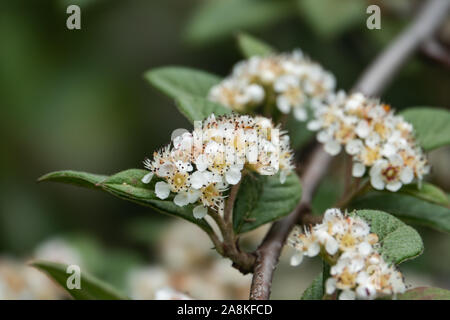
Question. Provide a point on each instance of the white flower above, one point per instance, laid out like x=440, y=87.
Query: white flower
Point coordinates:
x=147, y=178
x=390, y=174
x=296, y=259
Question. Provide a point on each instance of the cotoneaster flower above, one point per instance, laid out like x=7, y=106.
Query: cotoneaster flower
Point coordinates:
x=199, y=167
x=290, y=81
x=357, y=270
x=381, y=143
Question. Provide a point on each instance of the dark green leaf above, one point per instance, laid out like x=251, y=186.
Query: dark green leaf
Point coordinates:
x=179, y=81
x=406, y=207
x=251, y=46
x=262, y=199
x=91, y=287
x=82, y=179
x=215, y=20
x=330, y=18
x=399, y=242
x=431, y=126
x=425, y=293
x=127, y=185
x=427, y=192
x=198, y=108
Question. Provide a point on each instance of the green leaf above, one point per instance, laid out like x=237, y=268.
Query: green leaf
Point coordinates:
x=82, y=179
x=330, y=18
x=262, y=199
x=251, y=46
x=179, y=81
x=425, y=293
x=215, y=20
x=427, y=192
x=315, y=290
x=406, y=207
x=431, y=126
x=91, y=287
x=399, y=242
x=198, y=108
x=127, y=185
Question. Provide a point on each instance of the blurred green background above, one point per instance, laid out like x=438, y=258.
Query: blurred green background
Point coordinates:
x=76, y=99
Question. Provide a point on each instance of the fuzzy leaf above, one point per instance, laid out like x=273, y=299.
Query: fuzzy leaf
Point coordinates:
x=127, y=185
x=399, y=242
x=251, y=46
x=82, y=179
x=262, y=199
x=91, y=287
x=180, y=81
x=408, y=208
x=198, y=108
x=430, y=126
x=425, y=293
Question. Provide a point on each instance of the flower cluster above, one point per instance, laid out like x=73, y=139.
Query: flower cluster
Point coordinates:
x=357, y=269
x=375, y=138
x=199, y=166
x=291, y=81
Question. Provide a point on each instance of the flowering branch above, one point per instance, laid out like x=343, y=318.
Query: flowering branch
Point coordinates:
x=372, y=82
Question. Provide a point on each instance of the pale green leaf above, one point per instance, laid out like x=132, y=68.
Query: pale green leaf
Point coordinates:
x=82, y=179
x=251, y=46
x=262, y=199
x=91, y=287
x=179, y=81
x=431, y=126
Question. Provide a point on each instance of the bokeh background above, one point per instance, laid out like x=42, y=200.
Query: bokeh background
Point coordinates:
x=77, y=100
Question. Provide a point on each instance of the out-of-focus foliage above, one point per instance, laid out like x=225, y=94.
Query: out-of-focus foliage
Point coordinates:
x=77, y=99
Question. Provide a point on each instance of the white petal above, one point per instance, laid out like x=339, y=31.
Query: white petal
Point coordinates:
x=330, y=285
x=313, y=249
x=314, y=125
x=296, y=259
x=365, y=248
x=332, y=147
x=193, y=195
x=283, y=176
x=162, y=189
x=362, y=129
x=200, y=211
x=331, y=246
x=233, y=175
x=147, y=178
x=354, y=146
x=181, y=199
x=358, y=169
x=377, y=181
x=198, y=179
x=407, y=175
x=394, y=186
x=283, y=104
x=300, y=114
x=347, y=295
x=201, y=162
x=165, y=170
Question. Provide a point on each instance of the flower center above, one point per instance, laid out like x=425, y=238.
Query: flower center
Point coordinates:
x=390, y=173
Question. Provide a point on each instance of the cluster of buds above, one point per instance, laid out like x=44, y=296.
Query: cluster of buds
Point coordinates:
x=375, y=138
x=347, y=245
x=199, y=166
x=290, y=81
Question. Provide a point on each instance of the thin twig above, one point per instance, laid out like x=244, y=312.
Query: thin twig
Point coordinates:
x=373, y=81
x=436, y=51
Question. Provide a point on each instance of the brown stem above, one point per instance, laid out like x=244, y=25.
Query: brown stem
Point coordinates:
x=229, y=205
x=372, y=82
